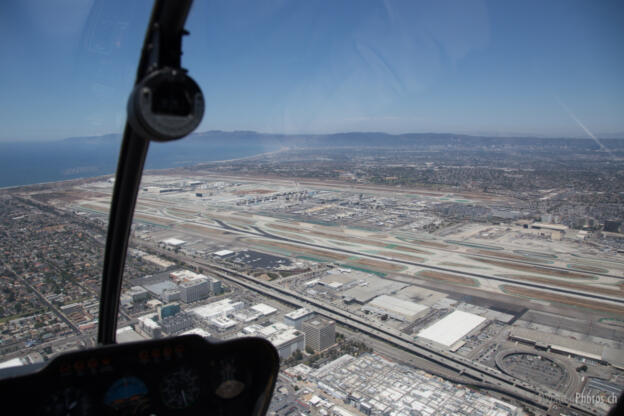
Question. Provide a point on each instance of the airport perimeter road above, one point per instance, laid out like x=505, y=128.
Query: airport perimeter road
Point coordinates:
x=483, y=376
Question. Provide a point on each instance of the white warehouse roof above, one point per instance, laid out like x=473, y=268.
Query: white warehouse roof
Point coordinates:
x=264, y=309
x=280, y=338
x=452, y=327
x=222, y=307
x=279, y=334
x=396, y=306
x=223, y=322
x=298, y=313
x=14, y=362
x=148, y=321
x=173, y=242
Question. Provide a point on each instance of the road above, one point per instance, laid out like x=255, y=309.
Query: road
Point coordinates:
x=481, y=375
x=44, y=300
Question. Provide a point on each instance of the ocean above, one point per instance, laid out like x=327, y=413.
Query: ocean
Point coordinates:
x=30, y=163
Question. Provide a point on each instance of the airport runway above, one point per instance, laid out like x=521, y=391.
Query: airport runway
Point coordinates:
x=262, y=233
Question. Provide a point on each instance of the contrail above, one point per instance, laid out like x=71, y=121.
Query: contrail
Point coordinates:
x=581, y=125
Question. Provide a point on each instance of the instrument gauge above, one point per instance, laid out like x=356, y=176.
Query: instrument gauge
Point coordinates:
x=180, y=389
x=68, y=401
x=127, y=396
x=231, y=385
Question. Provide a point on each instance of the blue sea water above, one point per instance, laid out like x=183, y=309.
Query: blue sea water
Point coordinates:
x=30, y=163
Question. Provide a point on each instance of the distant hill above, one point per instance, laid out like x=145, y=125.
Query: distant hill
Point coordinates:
x=375, y=139
x=28, y=162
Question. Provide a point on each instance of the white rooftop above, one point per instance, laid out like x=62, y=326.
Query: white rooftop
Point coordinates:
x=14, y=362
x=298, y=313
x=452, y=327
x=127, y=334
x=222, y=322
x=314, y=400
x=194, y=282
x=173, y=242
x=186, y=275
x=398, y=306
x=148, y=321
x=221, y=307
x=284, y=337
x=252, y=329
x=264, y=309
x=279, y=334
x=196, y=331
x=222, y=253
x=246, y=315
x=272, y=329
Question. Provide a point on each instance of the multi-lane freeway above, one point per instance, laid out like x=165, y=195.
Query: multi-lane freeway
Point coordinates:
x=481, y=375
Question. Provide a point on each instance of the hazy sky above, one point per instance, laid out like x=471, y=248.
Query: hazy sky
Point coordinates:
x=545, y=68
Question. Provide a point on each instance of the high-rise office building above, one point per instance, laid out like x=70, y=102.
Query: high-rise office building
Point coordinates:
x=320, y=333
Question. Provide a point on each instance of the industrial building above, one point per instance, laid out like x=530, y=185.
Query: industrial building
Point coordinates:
x=127, y=334
x=264, y=309
x=166, y=291
x=402, y=390
x=186, y=286
x=246, y=315
x=222, y=322
x=297, y=317
x=219, y=308
x=181, y=277
x=148, y=327
x=555, y=231
x=569, y=346
x=546, y=226
x=176, y=323
x=126, y=301
x=137, y=293
x=251, y=330
x=13, y=362
x=340, y=278
x=172, y=243
x=353, y=285
x=194, y=290
x=369, y=287
x=170, y=295
x=395, y=308
x=165, y=311
x=453, y=327
x=320, y=333
x=286, y=339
